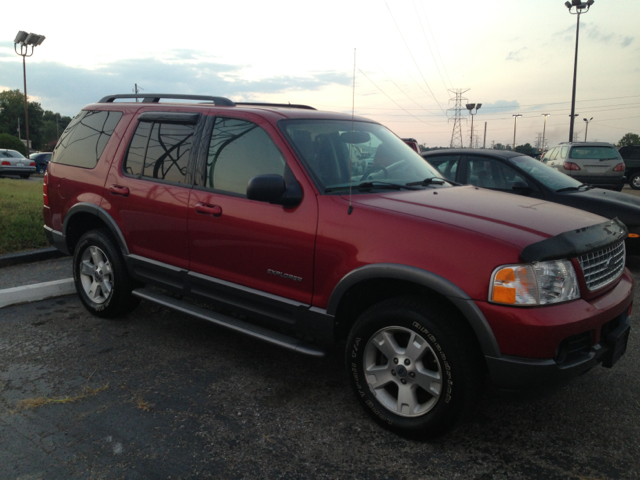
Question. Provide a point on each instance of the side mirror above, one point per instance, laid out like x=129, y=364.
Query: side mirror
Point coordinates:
x=521, y=187
x=273, y=189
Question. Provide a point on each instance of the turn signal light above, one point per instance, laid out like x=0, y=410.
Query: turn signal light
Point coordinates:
x=571, y=166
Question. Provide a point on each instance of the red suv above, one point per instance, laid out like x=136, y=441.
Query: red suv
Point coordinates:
x=256, y=211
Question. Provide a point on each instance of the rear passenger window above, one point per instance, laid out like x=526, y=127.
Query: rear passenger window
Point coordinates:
x=447, y=165
x=84, y=140
x=160, y=150
x=240, y=150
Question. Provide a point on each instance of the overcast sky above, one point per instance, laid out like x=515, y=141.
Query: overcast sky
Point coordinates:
x=514, y=57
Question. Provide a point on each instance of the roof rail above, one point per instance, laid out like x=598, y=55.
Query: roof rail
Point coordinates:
x=283, y=105
x=155, y=98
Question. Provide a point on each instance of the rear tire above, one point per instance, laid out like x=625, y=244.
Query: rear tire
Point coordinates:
x=101, y=277
x=414, y=367
x=634, y=181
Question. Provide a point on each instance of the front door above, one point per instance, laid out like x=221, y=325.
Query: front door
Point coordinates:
x=244, y=244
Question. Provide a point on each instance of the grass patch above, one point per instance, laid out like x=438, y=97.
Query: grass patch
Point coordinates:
x=21, y=222
x=33, y=403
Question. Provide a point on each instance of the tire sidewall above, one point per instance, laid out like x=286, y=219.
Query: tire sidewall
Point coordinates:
x=633, y=177
x=445, y=412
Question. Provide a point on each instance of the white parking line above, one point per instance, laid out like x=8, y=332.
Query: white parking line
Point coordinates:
x=39, y=291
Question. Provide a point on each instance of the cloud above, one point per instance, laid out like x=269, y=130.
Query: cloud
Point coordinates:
x=500, y=106
x=626, y=41
x=67, y=89
x=594, y=33
x=516, y=55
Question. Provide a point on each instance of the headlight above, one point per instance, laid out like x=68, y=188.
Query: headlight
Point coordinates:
x=539, y=283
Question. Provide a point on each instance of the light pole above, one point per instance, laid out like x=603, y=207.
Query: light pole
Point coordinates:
x=26, y=40
x=515, y=124
x=544, y=128
x=572, y=119
x=580, y=8
x=470, y=107
x=587, y=128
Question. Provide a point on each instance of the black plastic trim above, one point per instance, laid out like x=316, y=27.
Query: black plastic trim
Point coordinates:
x=240, y=326
x=57, y=240
x=441, y=285
x=279, y=105
x=170, y=117
x=103, y=215
x=576, y=242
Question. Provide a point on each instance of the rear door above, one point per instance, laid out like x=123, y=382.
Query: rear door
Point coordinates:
x=148, y=193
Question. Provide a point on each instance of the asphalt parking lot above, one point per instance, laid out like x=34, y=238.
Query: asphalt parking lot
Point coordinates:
x=162, y=395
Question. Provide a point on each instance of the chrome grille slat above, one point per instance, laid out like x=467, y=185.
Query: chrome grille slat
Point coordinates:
x=602, y=267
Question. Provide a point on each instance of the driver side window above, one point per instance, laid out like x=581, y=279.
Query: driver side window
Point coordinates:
x=489, y=173
x=240, y=150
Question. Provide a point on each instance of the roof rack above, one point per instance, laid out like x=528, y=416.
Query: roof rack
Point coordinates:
x=283, y=105
x=155, y=98
x=218, y=101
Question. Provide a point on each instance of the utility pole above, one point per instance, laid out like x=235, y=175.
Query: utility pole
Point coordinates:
x=456, y=134
x=484, y=143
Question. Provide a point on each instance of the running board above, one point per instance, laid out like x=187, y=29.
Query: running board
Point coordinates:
x=254, y=331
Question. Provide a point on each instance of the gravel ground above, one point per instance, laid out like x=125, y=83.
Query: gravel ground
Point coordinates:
x=162, y=395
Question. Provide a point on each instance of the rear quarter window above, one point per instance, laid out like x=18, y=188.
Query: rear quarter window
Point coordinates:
x=84, y=140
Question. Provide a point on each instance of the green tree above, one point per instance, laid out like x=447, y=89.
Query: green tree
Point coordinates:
x=498, y=146
x=629, y=139
x=12, y=143
x=12, y=112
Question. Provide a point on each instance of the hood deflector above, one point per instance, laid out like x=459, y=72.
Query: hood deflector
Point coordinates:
x=576, y=242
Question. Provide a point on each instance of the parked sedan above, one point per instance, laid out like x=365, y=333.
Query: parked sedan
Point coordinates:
x=516, y=173
x=13, y=162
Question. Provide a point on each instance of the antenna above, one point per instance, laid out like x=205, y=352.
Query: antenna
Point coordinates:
x=353, y=108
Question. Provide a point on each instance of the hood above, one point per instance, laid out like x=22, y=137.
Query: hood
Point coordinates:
x=607, y=203
x=510, y=218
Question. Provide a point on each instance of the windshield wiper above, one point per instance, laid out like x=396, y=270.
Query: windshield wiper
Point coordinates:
x=584, y=186
x=377, y=184
x=432, y=180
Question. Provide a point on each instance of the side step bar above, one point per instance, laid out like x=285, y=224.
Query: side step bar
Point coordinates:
x=254, y=331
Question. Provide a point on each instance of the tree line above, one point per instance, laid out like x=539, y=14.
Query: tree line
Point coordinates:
x=45, y=126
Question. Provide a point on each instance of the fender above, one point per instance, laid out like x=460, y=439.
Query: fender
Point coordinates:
x=101, y=213
x=434, y=282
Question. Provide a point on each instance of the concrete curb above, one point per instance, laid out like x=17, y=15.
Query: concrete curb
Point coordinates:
x=39, y=291
x=30, y=256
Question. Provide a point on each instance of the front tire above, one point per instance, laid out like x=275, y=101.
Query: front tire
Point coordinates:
x=414, y=367
x=101, y=277
x=634, y=181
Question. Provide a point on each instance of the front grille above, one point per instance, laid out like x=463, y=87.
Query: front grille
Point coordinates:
x=602, y=267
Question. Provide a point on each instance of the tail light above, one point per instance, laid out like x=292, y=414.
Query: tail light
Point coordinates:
x=571, y=166
x=619, y=167
x=32, y=164
x=5, y=162
x=45, y=189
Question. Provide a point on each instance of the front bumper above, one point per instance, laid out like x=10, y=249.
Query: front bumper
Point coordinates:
x=522, y=373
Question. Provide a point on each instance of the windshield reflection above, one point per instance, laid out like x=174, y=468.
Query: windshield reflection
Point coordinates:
x=544, y=174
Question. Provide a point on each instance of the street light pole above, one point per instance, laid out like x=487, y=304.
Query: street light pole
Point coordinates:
x=26, y=40
x=470, y=107
x=572, y=119
x=544, y=128
x=515, y=124
x=580, y=8
x=587, y=128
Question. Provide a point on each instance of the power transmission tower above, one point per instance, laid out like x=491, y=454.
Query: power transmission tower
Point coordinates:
x=456, y=134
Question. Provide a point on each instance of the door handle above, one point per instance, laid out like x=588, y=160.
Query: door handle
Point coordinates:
x=119, y=190
x=205, y=209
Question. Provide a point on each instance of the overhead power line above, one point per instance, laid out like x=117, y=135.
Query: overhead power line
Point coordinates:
x=429, y=45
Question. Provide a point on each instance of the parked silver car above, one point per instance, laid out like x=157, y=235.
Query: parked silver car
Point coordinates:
x=594, y=163
x=13, y=162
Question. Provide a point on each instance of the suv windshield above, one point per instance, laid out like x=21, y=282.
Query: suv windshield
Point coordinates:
x=340, y=153
x=546, y=175
x=594, y=153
